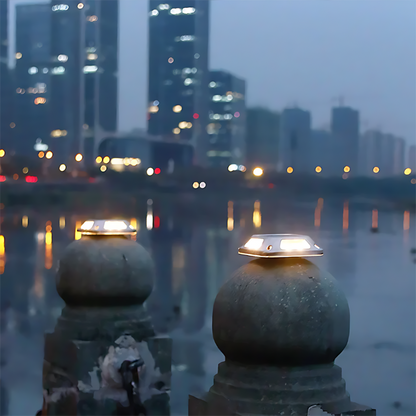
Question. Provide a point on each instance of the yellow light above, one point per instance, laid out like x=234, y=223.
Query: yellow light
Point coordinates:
x=230, y=219
x=91, y=57
x=77, y=233
x=289, y=169
x=62, y=168
x=254, y=243
x=318, y=169
x=195, y=185
x=153, y=109
x=2, y=152
x=376, y=169
x=347, y=169
x=12, y=125
x=188, y=125
x=48, y=238
x=103, y=168
x=150, y=171
x=80, y=6
x=116, y=161
x=126, y=161
x=257, y=215
x=98, y=159
x=18, y=55
x=177, y=109
x=106, y=159
x=232, y=167
x=78, y=157
x=413, y=181
x=257, y=171
x=41, y=155
x=183, y=125
x=2, y=249
x=62, y=223
x=407, y=171
x=25, y=170
x=294, y=244
x=40, y=100
x=49, y=155
x=25, y=221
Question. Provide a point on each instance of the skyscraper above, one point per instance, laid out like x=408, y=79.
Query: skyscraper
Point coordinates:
x=32, y=78
x=294, y=143
x=178, y=75
x=6, y=97
x=345, y=126
x=412, y=158
x=84, y=77
x=227, y=119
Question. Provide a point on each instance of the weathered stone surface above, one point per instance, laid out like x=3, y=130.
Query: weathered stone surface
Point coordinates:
x=281, y=312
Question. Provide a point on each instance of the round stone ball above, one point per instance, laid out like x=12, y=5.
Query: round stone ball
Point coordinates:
x=283, y=312
x=106, y=271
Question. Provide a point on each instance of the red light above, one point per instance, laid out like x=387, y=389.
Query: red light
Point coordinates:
x=156, y=222
x=196, y=115
x=2, y=178
x=237, y=114
x=91, y=180
x=271, y=186
x=157, y=171
x=31, y=179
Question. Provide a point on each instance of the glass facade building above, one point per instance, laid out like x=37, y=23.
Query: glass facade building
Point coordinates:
x=178, y=78
x=227, y=119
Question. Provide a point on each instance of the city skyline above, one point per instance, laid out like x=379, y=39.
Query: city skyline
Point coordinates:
x=361, y=67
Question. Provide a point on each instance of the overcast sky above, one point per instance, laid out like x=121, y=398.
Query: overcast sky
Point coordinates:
x=303, y=51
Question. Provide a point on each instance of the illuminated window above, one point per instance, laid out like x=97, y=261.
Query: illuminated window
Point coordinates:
x=175, y=11
x=92, y=56
x=60, y=8
x=92, y=18
x=154, y=12
x=89, y=69
x=18, y=55
x=153, y=109
x=170, y=60
x=45, y=70
x=32, y=70
x=185, y=38
x=176, y=130
x=177, y=109
x=62, y=58
x=188, y=81
x=58, y=70
x=163, y=6
x=40, y=100
x=188, y=10
x=80, y=6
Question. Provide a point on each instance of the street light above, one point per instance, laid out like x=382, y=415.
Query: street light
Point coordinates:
x=98, y=159
x=2, y=152
x=78, y=157
x=257, y=171
x=376, y=169
x=62, y=168
x=318, y=169
x=407, y=171
x=150, y=171
x=289, y=169
x=49, y=155
x=347, y=169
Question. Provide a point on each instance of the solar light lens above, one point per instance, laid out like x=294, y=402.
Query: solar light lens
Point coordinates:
x=294, y=244
x=254, y=243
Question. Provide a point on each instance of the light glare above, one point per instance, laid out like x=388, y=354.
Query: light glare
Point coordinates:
x=294, y=244
x=254, y=243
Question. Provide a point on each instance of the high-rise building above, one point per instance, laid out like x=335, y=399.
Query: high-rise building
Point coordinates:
x=84, y=78
x=178, y=76
x=345, y=127
x=227, y=119
x=321, y=153
x=382, y=154
x=294, y=140
x=411, y=162
x=6, y=97
x=32, y=79
x=262, y=138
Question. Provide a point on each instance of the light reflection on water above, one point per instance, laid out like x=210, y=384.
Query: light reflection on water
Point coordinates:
x=193, y=257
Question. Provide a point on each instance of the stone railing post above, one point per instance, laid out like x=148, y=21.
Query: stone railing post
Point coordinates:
x=280, y=322
x=103, y=357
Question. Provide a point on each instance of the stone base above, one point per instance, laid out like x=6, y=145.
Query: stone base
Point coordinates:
x=257, y=390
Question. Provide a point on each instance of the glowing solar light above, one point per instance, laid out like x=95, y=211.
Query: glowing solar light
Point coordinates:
x=280, y=245
x=106, y=227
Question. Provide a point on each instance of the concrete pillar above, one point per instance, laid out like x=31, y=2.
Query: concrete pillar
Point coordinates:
x=103, y=329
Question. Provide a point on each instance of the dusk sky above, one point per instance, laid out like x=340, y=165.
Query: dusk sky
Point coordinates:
x=296, y=51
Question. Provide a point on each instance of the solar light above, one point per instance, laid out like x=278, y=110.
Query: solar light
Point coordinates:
x=280, y=245
x=106, y=227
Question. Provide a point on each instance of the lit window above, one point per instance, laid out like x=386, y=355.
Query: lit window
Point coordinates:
x=188, y=81
x=18, y=55
x=62, y=58
x=176, y=130
x=60, y=7
x=175, y=11
x=40, y=100
x=228, y=116
x=197, y=55
x=91, y=49
x=163, y=6
x=80, y=6
x=171, y=60
x=188, y=10
x=92, y=18
x=92, y=56
x=185, y=38
x=89, y=69
x=212, y=84
x=153, y=109
x=154, y=12
x=59, y=70
x=183, y=125
x=32, y=70
x=45, y=70
x=177, y=109
x=217, y=98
